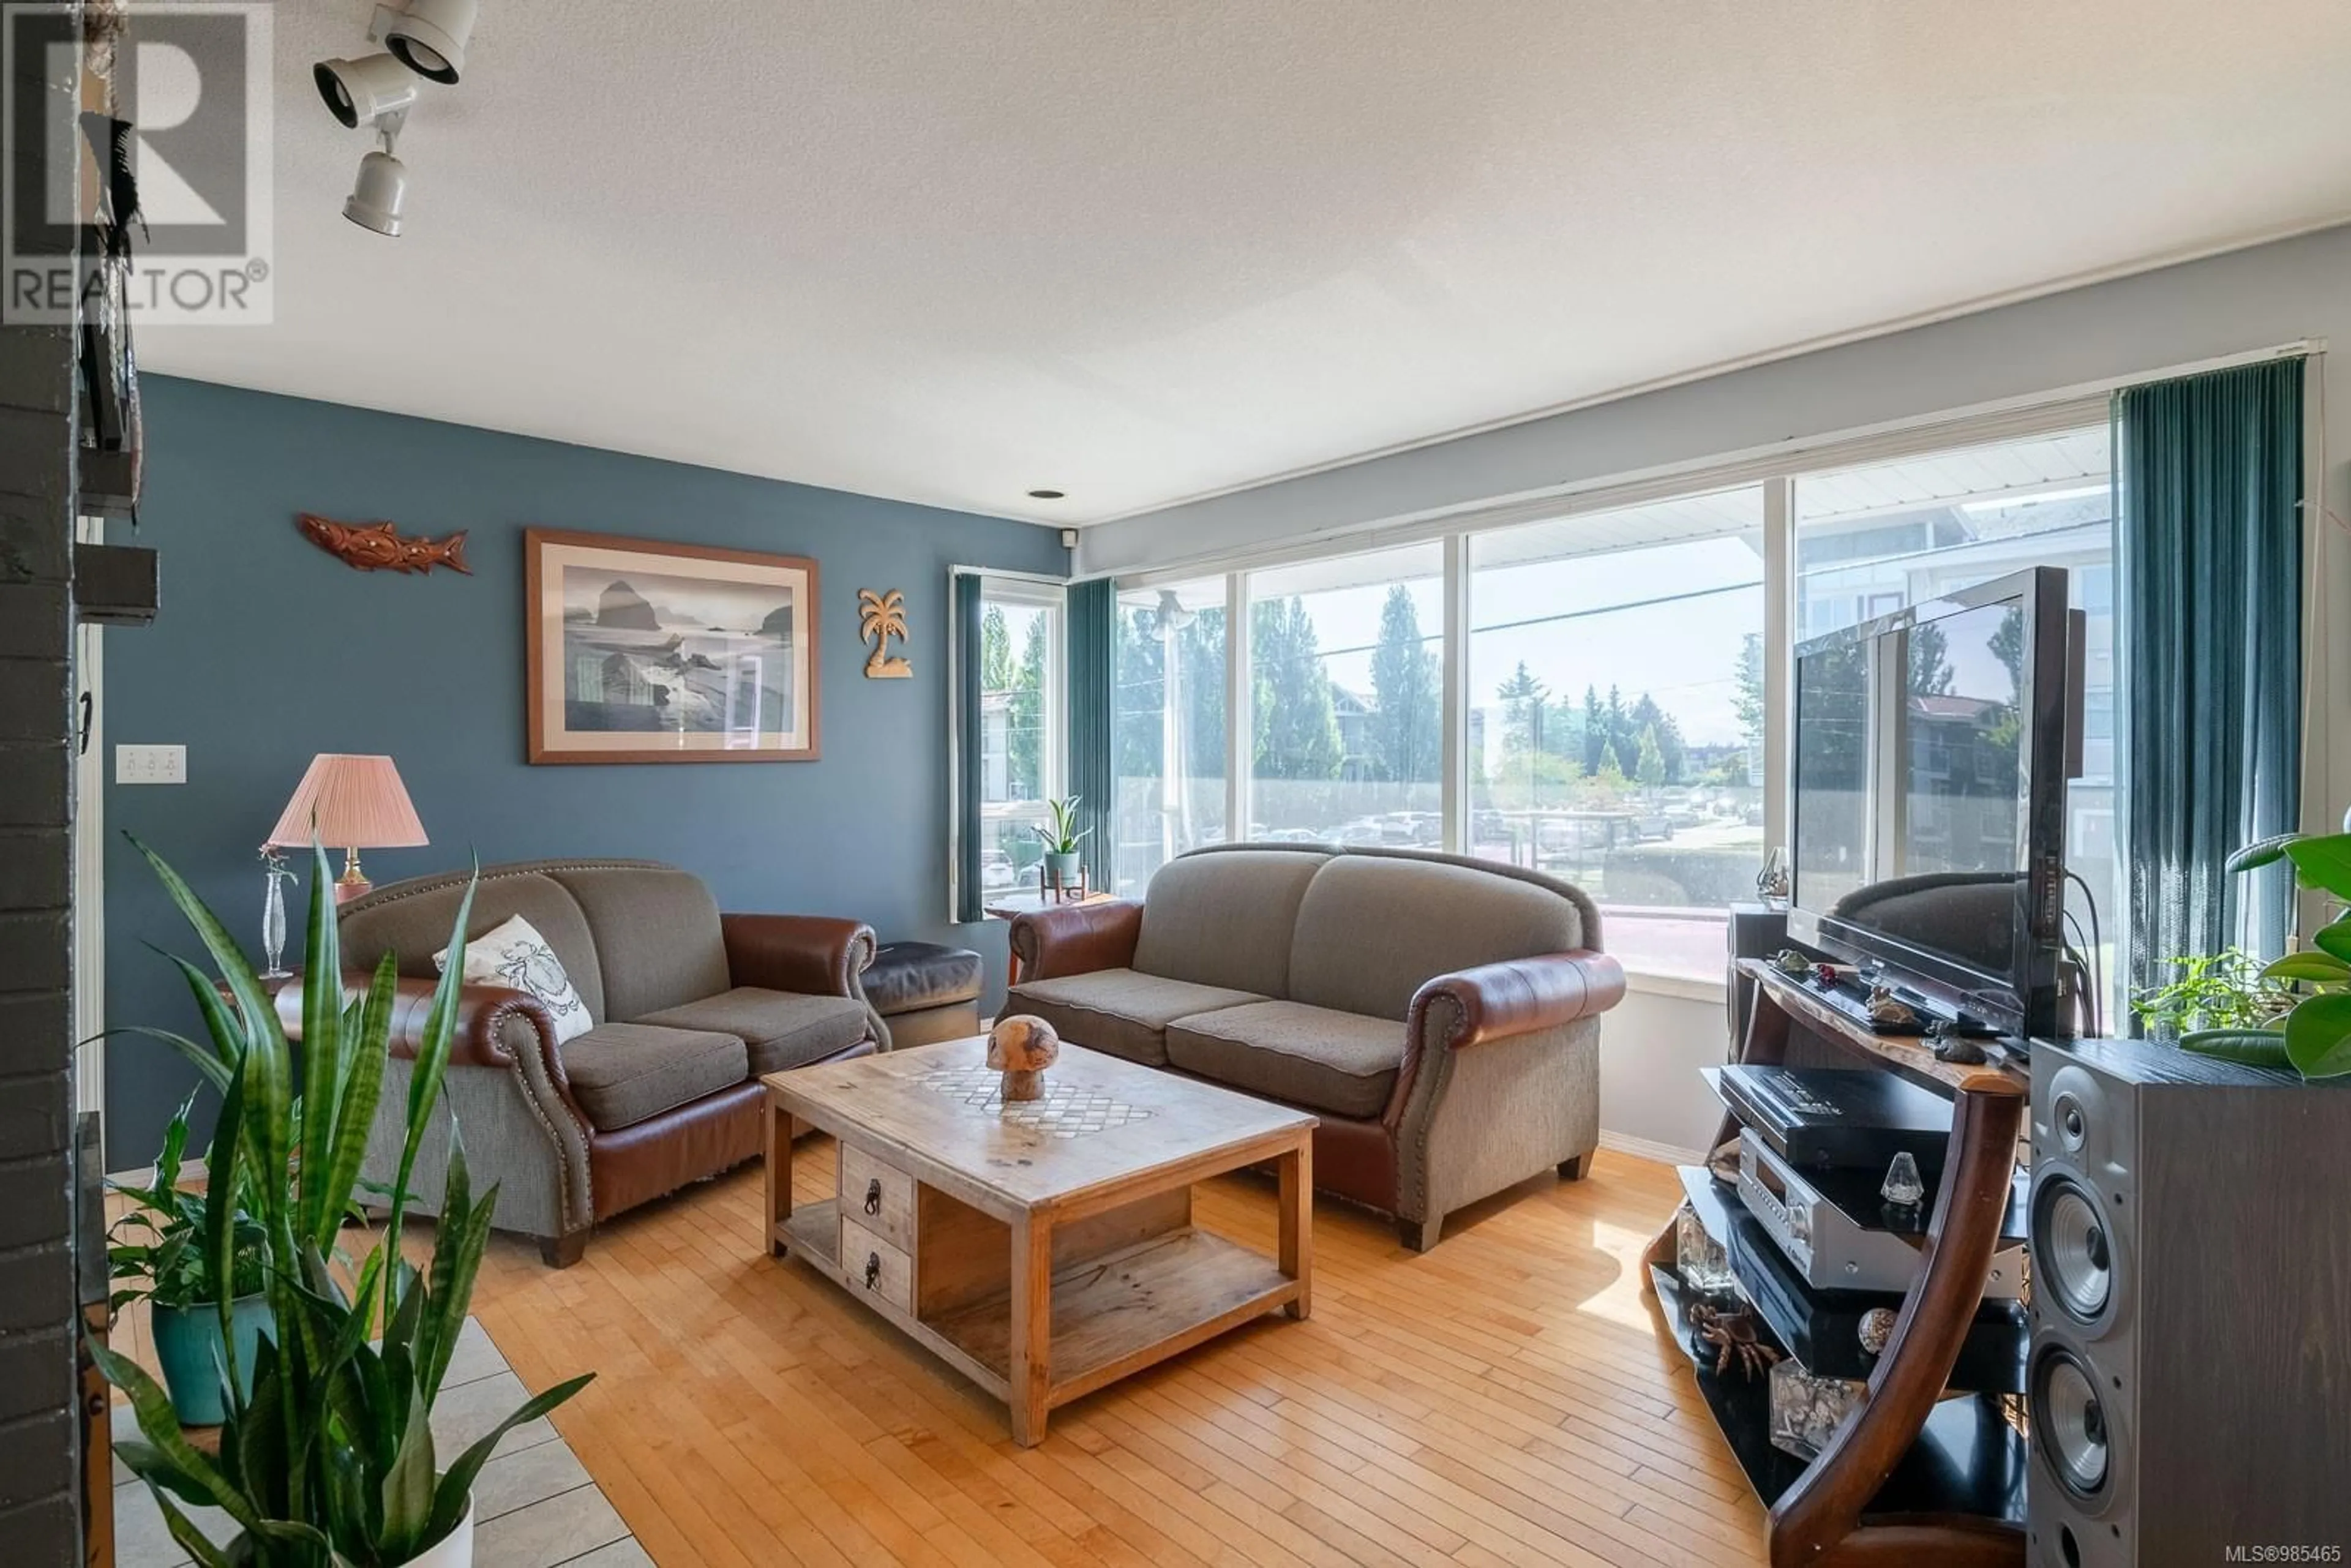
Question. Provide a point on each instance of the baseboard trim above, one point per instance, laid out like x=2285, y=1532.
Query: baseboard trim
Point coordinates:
x=1650, y=1149
x=192, y=1171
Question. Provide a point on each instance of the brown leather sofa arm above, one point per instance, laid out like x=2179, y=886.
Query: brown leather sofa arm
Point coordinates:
x=814, y=955
x=1523, y=995
x=483, y=1012
x=1076, y=938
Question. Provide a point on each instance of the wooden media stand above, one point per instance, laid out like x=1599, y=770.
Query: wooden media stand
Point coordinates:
x=1910, y=1479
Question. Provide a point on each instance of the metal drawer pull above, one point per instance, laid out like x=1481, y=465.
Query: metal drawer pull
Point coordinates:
x=872, y=1270
x=874, y=1195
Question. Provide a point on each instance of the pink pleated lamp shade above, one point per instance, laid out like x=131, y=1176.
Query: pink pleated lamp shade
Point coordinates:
x=356, y=802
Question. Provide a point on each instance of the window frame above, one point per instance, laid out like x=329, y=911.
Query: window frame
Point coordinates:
x=1026, y=590
x=1222, y=583
x=1240, y=771
x=1778, y=475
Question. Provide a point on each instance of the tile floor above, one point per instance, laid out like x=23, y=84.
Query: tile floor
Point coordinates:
x=533, y=1505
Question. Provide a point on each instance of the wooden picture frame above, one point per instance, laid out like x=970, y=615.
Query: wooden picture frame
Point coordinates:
x=645, y=651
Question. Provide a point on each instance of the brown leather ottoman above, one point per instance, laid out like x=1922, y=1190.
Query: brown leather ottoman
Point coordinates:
x=925, y=991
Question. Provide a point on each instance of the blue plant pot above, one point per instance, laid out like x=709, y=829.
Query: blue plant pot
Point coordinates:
x=188, y=1343
x=1062, y=870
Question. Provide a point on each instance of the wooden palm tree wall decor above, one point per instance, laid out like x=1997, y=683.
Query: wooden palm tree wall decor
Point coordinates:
x=882, y=620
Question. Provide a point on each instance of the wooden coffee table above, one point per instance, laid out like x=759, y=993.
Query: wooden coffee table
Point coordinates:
x=1043, y=1249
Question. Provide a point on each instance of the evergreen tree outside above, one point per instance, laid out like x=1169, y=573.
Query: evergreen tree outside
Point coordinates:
x=1406, y=727
x=1747, y=701
x=1521, y=696
x=994, y=650
x=1141, y=677
x=1648, y=719
x=1152, y=811
x=1930, y=661
x=2008, y=646
x=1202, y=654
x=1024, y=738
x=1623, y=741
x=1650, y=766
x=1296, y=721
x=1595, y=733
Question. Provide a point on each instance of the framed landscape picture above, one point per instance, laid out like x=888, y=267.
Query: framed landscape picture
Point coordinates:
x=644, y=651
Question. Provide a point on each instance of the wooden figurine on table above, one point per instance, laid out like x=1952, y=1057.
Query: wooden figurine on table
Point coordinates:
x=1021, y=1048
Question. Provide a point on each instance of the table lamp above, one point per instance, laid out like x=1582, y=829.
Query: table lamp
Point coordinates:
x=356, y=802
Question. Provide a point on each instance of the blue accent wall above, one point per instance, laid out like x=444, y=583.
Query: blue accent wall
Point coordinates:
x=268, y=651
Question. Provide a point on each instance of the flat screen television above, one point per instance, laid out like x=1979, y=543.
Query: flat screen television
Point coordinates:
x=1929, y=801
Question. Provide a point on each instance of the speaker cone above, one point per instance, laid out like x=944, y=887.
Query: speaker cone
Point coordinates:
x=2074, y=1259
x=2070, y=1423
x=2071, y=1121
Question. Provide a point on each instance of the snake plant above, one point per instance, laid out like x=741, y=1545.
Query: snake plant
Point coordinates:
x=2315, y=1037
x=1062, y=835
x=330, y=1462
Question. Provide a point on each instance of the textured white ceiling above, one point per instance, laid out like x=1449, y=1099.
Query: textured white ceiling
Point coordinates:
x=953, y=250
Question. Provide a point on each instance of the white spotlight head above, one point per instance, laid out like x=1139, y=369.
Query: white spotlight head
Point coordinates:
x=363, y=91
x=429, y=36
x=376, y=197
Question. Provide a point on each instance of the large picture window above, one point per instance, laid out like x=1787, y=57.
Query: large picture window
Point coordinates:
x=1874, y=539
x=1347, y=699
x=1168, y=724
x=1615, y=698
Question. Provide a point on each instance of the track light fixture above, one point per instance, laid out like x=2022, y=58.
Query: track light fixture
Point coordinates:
x=365, y=91
x=376, y=197
x=429, y=36
x=422, y=38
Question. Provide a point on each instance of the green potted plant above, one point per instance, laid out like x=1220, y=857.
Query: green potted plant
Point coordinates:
x=2313, y=1035
x=326, y=1457
x=1060, y=838
x=2229, y=991
x=157, y=1255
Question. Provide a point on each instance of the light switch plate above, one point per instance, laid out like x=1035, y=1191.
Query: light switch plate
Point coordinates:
x=151, y=765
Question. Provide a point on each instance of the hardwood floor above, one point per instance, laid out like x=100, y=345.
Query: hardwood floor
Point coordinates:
x=1504, y=1399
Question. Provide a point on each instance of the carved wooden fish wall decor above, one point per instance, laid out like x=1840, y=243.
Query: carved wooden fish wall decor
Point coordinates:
x=378, y=547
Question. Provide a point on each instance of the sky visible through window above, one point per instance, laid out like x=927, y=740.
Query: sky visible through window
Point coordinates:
x=1666, y=621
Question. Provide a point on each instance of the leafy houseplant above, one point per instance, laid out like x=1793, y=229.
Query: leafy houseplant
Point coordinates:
x=1060, y=839
x=2225, y=991
x=156, y=1253
x=2314, y=1036
x=329, y=1461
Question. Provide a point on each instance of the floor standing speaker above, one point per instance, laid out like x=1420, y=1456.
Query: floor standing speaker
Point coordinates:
x=2191, y=1377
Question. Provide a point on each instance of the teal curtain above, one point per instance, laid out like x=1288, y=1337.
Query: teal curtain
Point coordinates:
x=1093, y=644
x=965, y=601
x=2208, y=588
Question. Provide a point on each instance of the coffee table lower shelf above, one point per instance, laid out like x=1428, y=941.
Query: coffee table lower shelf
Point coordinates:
x=1112, y=1315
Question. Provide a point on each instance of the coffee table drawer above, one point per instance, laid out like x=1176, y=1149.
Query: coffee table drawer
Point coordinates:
x=874, y=1269
x=879, y=1196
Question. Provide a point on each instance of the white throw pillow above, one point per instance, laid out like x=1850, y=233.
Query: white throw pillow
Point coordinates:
x=516, y=955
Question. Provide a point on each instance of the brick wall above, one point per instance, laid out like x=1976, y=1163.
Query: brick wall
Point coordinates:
x=40, y=1464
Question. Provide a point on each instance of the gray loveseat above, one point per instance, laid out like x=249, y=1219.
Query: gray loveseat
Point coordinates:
x=690, y=1008
x=1439, y=1014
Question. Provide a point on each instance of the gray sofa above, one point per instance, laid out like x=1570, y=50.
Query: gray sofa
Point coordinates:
x=690, y=1008
x=1439, y=1014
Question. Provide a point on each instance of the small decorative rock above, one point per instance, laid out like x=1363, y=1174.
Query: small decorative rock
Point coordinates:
x=1021, y=1048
